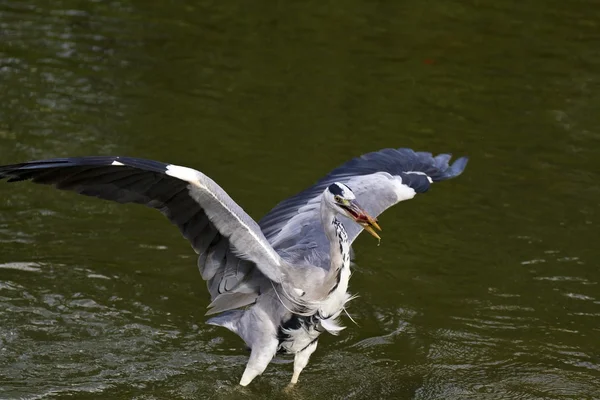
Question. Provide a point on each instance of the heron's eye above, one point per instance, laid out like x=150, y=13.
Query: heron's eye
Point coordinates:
x=337, y=199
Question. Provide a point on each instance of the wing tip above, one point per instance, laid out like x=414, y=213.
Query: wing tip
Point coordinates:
x=441, y=162
x=28, y=170
x=457, y=167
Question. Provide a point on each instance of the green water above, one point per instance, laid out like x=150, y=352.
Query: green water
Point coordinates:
x=487, y=287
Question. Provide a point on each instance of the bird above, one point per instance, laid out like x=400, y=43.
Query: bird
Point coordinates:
x=278, y=283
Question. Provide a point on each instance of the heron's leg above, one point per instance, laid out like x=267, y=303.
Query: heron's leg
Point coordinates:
x=260, y=356
x=301, y=359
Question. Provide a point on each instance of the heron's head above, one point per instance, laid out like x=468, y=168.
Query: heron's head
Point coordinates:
x=341, y=199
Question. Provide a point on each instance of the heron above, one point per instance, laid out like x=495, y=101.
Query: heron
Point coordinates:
x=279, y=283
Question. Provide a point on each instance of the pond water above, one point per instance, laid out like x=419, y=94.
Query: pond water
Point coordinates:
x=486, y=287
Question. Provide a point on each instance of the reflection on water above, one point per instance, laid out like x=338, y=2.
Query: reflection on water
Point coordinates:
x=486, y=287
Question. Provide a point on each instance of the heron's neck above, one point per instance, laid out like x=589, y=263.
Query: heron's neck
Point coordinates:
x=339, y=247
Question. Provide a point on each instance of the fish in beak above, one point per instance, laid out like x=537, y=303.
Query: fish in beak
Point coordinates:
x=360, y=216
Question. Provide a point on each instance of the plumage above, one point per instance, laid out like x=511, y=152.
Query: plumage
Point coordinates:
x=278, y=283
x=293, y=226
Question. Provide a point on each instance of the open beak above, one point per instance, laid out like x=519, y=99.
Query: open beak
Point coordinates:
x=360, y=216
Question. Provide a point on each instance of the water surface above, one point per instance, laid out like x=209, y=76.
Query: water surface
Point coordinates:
x=487, y=287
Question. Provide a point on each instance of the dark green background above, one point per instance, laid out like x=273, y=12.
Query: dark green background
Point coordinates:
x=487, y=287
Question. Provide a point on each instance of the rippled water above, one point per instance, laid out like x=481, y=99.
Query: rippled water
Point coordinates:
x=485, y=288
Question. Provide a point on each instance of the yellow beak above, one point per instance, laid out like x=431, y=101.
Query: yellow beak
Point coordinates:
x=361, y=217
x=368, y=226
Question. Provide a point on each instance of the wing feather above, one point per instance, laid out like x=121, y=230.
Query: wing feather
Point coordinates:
x=236, y=256
x=379, y=180
x=217, y=228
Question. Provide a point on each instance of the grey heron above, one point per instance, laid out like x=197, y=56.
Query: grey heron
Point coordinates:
x=278, y=283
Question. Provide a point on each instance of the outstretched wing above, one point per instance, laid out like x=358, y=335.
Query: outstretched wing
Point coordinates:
x=379, y=180
x=234, y=255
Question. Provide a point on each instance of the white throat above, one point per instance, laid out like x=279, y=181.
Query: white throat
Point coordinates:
x=339, y=268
